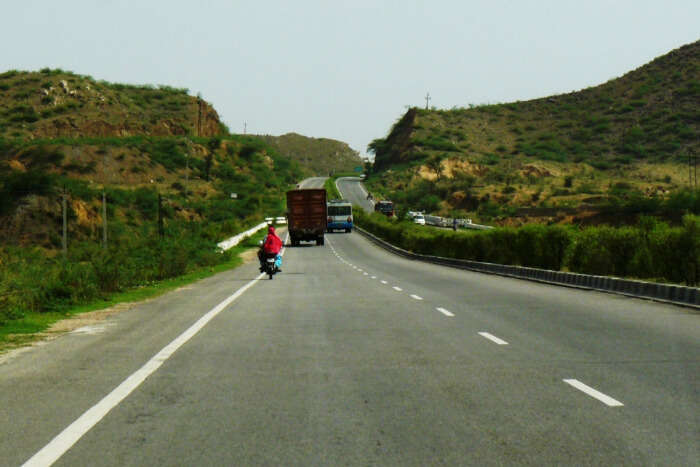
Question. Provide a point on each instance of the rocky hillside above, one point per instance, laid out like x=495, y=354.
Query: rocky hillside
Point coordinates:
x=321, y=156
x=68, y=136
x=56, y=103
x=629, y=136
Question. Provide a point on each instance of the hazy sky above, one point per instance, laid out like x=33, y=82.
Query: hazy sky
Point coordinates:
x=345, y=69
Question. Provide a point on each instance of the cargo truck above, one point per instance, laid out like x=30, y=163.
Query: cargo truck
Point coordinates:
x=385, y=207
x=306, y=215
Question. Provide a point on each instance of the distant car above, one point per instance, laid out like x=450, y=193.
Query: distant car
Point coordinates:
x=419, y=219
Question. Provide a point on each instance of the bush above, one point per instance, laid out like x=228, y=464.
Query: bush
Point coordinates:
x=166, y=152
x=650, y=250
x=22, y=113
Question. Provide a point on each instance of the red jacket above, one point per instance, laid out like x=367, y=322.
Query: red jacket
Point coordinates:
x=273, y=244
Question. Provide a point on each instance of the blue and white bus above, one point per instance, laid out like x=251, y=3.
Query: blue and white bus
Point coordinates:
x=339, y=215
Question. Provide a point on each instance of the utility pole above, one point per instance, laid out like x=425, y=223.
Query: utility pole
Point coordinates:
x=245, y=127
x=64, y=239
x=104, y=201
x=199, y=116
x=104, y=219
x=427, y=101
x=160, y=216
x=187, y=171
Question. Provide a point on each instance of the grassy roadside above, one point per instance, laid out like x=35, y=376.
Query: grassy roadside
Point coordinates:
x=23, y=331
x=331, y=191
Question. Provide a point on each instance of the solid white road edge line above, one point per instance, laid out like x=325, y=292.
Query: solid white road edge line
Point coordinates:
x=69, y=436
x=493, y=338
x=444, y=311
x=605, y=399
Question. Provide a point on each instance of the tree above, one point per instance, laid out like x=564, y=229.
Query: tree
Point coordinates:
x=434, y=163
x=377, y=146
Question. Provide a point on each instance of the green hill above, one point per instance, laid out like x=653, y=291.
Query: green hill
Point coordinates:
x=65, y=134
x=319, y=155
x=627, y=138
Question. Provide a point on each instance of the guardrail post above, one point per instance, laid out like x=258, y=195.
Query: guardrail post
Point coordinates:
x=693, y=296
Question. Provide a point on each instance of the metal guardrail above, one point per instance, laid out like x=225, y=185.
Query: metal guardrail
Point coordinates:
x=667, y=293
x=236, y=239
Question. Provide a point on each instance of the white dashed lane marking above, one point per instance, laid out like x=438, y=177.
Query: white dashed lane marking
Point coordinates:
x=493, y=338
x=605, y=399
x=398, y=289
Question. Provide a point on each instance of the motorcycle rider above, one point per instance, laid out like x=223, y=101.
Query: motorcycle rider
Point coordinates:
x=271, y=246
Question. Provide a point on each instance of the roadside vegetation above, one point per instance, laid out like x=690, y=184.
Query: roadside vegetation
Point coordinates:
x=650, y=250
x=155, y=231
x=71, y=287
x=331, y=190
x=174, y=181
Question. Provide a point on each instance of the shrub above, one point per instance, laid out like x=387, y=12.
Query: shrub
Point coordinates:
x=649, y=250
x=166, y=152
x=22, y=113
x=437, y=143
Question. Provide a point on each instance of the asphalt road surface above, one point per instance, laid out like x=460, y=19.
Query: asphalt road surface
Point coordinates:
x=353, y=356
x=354, y=191
x=313, y=182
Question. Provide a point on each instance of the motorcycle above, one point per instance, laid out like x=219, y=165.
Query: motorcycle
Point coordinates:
x=271, y=266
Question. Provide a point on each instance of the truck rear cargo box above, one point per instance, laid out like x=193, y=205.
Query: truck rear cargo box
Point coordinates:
x=306, y=215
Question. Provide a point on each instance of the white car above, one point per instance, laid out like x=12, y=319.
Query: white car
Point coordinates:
x=419, y=219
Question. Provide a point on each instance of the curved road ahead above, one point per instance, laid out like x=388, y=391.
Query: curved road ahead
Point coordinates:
x=354, y=191
x=354, y=356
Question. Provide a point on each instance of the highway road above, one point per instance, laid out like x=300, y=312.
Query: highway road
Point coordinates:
x=354, y=356
x=313, y=182
x=354, y=191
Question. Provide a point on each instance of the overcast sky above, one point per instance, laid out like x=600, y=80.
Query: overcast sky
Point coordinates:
x=345, y=69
